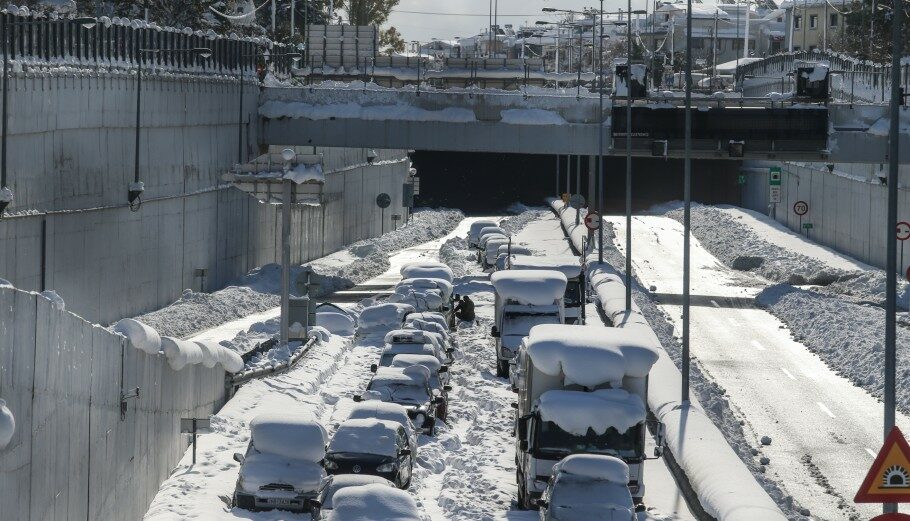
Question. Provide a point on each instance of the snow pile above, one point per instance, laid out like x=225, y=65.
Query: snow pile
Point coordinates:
x=291, y=435
x=365, y=436
x=7, y=425
x=336, y=323
x=382, y=317
x=56, y=300
x=211, y=353
x=303, y=173
x=578, y=412
x=180, y=353
x=141, y=336
x=230, y=360
x=596, y=467
x=6, y=195
x=529, y=287
x=373, y=502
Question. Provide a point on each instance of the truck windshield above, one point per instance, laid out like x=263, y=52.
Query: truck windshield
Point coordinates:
x=553, y=441
x=520, y=324
x=572, y=297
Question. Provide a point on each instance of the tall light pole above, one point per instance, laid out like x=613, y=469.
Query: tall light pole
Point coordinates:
x=687, y=204
x=891, y=282
x=135, y=190
x=601, y=181
x=629, y=155
x=5, y=191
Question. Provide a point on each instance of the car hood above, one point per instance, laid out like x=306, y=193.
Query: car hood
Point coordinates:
x=262, y=468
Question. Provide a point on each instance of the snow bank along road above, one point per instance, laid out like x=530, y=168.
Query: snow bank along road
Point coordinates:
x=824, y=430
x=465, y=472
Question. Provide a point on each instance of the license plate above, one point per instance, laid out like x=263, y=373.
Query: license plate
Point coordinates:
x=279, y=501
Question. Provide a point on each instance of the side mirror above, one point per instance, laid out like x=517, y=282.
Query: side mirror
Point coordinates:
x=494, y=332
x=523, y=445
x=542, y=503
x=373, y=368
x=357, y=398
x=446, y=388
x=404, y=452
x=238, y=457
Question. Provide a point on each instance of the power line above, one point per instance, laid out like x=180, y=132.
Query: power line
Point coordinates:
x=468, y=14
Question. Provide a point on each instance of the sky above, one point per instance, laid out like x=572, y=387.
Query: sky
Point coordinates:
x=445, y=19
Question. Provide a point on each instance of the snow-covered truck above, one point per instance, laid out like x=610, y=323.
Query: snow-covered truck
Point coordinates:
x=524, y=299
x=570, y=266
x=581, y=390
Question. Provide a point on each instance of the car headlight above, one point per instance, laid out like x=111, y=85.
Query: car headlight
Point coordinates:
x=329, y=464
x=419, y=419
x=386, y=467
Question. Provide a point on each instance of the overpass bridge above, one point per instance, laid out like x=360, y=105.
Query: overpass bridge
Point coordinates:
x=486, y=120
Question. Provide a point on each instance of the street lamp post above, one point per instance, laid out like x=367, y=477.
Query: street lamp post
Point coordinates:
x=629, y=155
x=84, y=22
x=136, y=188
x=687, y=206
x=417, y=45
x=295, y=56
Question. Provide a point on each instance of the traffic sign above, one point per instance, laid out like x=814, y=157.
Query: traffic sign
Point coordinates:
x=577, y=201
x=888, y=480
x=396, y=217
x=807, y=226
x=894, y=516
x=592, y=221
x=774, y=194
x=740, y=179
x=800, y=208
x=774, y=176
x=903, y=231
x=383, y=200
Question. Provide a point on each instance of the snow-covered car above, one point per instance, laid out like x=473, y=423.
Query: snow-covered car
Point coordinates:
x=371, y=446
x=588, y=486
x=389, y=352
x=382, y=317
x=402, y=337
x=427, y=325
x=381, y=410
x=439, y=378
x=282, y=465
x=474, y=231
x=374, y=502
x=427, y=269
x=323, y=505
x=488, y=231
x=409, y=387
x=506, y=251
x=429, y=316
x=490, y=251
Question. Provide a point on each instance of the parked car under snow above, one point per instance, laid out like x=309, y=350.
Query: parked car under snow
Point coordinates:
x=588, y=486
x=408, y=387
x=371, y=446
x=323, y=505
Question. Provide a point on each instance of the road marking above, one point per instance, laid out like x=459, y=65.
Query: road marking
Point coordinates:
x=757, y=345
x=825, y=409
x=789, y=375
x=871, y=452
x=714, y=303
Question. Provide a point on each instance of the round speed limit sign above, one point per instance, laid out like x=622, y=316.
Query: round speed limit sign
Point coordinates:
x=801, y=208
x=592, y=221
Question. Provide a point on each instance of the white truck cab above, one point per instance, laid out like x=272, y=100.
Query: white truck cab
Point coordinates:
x=580, y=390
x=570, y=266
x=524, y=299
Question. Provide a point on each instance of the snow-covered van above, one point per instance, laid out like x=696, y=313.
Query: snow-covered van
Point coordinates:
x=580, y=390
x=570, y=266
x=524, y=299
x=282, y=467
x=474, y=231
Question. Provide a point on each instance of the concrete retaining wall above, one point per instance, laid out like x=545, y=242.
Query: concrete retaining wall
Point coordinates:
x=847, y=208
x=74, y=456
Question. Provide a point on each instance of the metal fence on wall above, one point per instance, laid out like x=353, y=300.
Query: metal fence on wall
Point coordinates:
x=87, y=445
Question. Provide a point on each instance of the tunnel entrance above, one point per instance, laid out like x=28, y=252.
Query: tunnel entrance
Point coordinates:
x=487, y=182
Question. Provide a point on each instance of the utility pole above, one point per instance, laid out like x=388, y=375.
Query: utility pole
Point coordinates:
x=629, y=158
x=274, y=18
x=600, y=141
x=891, y=282
x=746, y=35
x=687, y=207
x=292, y=17
x=714, y=47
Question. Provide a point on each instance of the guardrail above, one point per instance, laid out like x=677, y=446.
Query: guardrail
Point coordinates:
x=859, y=80
x=233, y=382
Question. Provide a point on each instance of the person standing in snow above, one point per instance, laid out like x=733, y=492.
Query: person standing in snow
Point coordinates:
x=464, y=310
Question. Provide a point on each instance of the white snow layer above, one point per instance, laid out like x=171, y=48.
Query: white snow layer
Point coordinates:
x=421, y=270
x=143, y=337
x=180, y=353
x=373, y=503
x=7, y=425
x=724, y=486
x=382, y=317
x=365, y=436
x=569, y=265
x=291, y=435
x=336, y=323
x=265, y=467
x=56, y=300
x=400, y=112
x=595, y=466
x=529, y=287
x=576, y=412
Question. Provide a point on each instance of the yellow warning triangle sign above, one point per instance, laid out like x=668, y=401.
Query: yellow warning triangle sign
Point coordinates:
x=888, y=480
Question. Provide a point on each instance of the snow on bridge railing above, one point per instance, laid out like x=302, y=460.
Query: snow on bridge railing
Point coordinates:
x=37, y=39
x=853, y=79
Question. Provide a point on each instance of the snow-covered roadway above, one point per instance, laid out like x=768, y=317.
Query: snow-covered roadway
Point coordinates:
x=824, y=430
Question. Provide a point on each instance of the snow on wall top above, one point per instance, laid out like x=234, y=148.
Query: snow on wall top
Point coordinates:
x=569, y=265
x=530, y=287
x=295, y=436
x=595, y=466
x=366, y=436
x=576, y=412
x=373, y=502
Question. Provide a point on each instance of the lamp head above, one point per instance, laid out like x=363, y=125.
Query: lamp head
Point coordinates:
x=288, y=154
x=87, y=22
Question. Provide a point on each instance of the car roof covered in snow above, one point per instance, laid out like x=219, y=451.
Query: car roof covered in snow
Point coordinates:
x=569, y=265
x=337, y=482
x=366, y=436
x=590, y=356
x=476, y=226
x=427, y=269
x=428, y=283
x=415, y=375
x=429, y=316
x=384, y=315
x=486, y=230
x=576, y=412
x=594, y=466
x=296, y=436
x=373, y=502
x=530, y=287
x=381, y=411
x=407, y=336
x=514, y=249
x=406, y=360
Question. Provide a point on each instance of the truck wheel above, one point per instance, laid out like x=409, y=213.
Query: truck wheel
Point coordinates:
x=502, y=368
x=522, y=495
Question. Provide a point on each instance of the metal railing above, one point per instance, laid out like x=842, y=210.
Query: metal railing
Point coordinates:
x=38, y=39
x=233, y=382
x=858, y=80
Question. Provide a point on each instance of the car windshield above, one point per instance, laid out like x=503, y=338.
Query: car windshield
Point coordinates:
x=520, y=324
x=573, y=294
x=574, y=498
x=554, y=441
x=402, y=393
